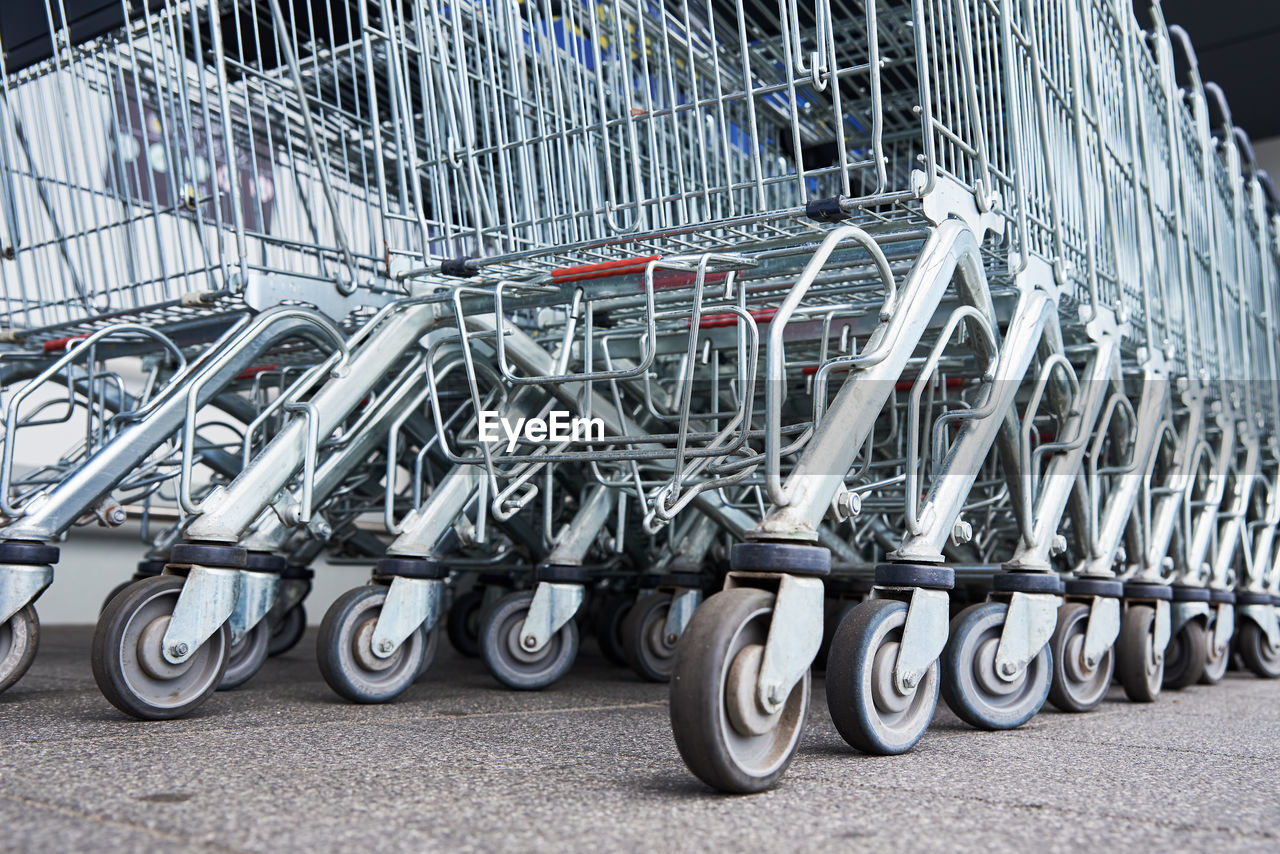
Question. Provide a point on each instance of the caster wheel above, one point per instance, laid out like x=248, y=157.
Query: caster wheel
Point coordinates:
x=1215, y=661
x=1076, y=686
x=19, y=638
x=1139, y=664
x=247, y=657
x=508, y=660
x=286, y=633
x=649, y=651
x=115, y=591
x=865, y=704
x=1256, y=654
x=723, y=735
x=127, y=661
x=970, y=685
x=463, y=624
x=345, y=654
x=607, y=626
x=1184, y=658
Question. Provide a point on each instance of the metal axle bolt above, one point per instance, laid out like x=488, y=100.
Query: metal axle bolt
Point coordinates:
x=909, y=682
x=775, y=694
x=529, y=641
x=178, y=649
x=385, y=647
x=672, y=638
x=1008, y=669
x=961, y=532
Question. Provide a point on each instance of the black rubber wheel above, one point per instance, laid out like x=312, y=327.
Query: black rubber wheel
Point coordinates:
x=463, y=624
x=1139, y=665
x=724, y=736
x=345, y=654
x=607, y=626
x=1215, y=660
x=288, y=631
x=865, y=703
x=1256, y=653
x=246, y=658
x=127, y=661
x=649, y=651
x=970, y=684
x=1076, y=686
x=19, y=639
x=508, y=660
x=1184, y=658
x=115, y=591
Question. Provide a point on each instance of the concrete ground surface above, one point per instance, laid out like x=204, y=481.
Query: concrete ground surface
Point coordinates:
x=460, y=764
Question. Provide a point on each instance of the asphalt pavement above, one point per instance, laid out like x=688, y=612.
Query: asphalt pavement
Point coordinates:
x=461, y=764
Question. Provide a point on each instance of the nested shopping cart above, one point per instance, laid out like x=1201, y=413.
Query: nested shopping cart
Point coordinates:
x=167, y=190
x=954, y=317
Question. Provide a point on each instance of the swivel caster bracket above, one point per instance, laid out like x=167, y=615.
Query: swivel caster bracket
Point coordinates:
x=410, y=602
x=1163, y=628
x=795, y=636
x=924, y=636
x=1028, y=626
x=1102, y=629
x=257, y=595
x=683, y=603
x=1266, y=618
x=1224, y=626
x=208, y=598
x=20, y=585
x=553, y=606
x=1183, y=612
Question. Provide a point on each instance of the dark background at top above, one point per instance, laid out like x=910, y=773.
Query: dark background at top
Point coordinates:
x=1238, y=45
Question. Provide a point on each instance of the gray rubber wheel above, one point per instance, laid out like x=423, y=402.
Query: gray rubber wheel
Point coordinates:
x=345, y=654
x=1139, y=665
x=865, y=703
x=1215, y=660
x=649, y=651
x=1184, y=658
x=1257, y=654
x=463, y=623
x=970, y=684
x=288, y=631
x=606, y=625
x=19, y=639
x=722, y=733
x=1076, y=686
x=508, y=660
x=247, y=657
x=127, y=661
